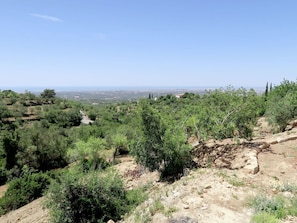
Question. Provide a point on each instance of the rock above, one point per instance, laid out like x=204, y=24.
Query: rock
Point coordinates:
x=186, y=206
x=264, y=146
x=110, y=221
x=204, y=208
x=288, y=139
x=280, y=140
x=182, y=220
x=252, y=166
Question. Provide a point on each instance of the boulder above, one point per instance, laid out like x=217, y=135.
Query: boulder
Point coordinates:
x=252, y=165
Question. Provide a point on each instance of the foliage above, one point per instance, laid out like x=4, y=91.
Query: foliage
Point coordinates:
x=287, y=187
x=135, y=197
x=226, y=113
x=219, y=114
x=82, y=149
x=264, y=217
x=48, y=94
x=282, y=104
x=23, y=190
x=93, y=197
x=157, y=206
x=120, y=143
x=63, y=118
x=9, y=141
x=3, y=171
x=41, y=148
x=31, y=131
x=84, y=132
x=88, y=154
x=4, y=112
x=292, y=209
x=162, y=148
x=273, y=206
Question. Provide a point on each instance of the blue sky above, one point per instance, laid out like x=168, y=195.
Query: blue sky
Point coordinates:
x=147, y=42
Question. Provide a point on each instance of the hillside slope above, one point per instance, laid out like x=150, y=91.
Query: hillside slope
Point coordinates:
x=204, y=195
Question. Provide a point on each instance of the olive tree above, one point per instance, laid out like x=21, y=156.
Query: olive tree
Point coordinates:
x=163, y=144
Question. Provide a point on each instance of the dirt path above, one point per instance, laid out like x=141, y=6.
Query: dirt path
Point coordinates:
x=85, y=119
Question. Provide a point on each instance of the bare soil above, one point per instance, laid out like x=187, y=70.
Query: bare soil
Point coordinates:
x=210, y=194
x=30, y=213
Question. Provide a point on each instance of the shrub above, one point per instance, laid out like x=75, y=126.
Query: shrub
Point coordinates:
x=93, y=197
x=163, y=146
x=3, y=171
x=23, y=190
x=93, y=163
x=90, y=149
x=92, y=115
x=282, y=104
x=264, y=217
x=42, y=149
x=273, y=206
x=292, y=209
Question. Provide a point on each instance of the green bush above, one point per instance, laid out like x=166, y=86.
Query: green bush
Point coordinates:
x=23, y=190
x=41, y=148
x=93, y=163
x=292, y=209
x=90, y=149
x=62, y=118
x=273, y=206
x=282, y=104
x=264, y=217
x=163, y=145
x=3, y=171
x=93, y=197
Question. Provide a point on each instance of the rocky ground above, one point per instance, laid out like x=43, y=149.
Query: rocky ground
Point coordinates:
x=231, y=172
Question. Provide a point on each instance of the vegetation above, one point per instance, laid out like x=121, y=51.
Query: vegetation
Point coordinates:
x=23, y=190
x=264, y=217
x=282, y=104
x=92, y=197
x=44, y=133
x=162, y=147
x=271, y=209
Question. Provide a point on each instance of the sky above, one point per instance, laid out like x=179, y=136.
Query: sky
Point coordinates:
x=171, y=43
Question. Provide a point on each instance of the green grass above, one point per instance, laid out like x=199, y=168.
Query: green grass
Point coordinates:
x=274, y=206
x=292, y=209
x=157, y=206
x=270, y=209
x=234, y=181
x=264, y=217
x=169, y=211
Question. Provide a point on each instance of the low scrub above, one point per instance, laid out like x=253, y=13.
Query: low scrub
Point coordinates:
x=89, y=197
x=273, y=208
x=264, y=217
x=23, y=190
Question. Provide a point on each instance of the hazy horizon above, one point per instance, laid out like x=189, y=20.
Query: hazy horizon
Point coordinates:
x=33, y=89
